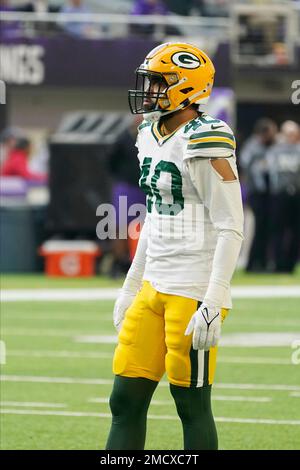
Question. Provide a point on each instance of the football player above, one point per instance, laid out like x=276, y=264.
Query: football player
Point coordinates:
x=177, y=290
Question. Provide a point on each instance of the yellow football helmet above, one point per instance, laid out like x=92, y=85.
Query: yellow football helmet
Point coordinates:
x=172, y=77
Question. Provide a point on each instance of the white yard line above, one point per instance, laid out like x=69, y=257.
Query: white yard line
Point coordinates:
x=81, y=414
x=40, y=332
x=260, y=292
x=259, y=340
x=271, y=387
x=229, y=340
x=254, y=360
x=57, y=380
x=64, y=354
x=239, y=318
x=107, y=317
x=241, y=398
x=238, y=292
x=78, y=414
x=39, y=316
x=96, y=339
x=98, y=381
x=295, y=394
x=22, y=295
x=105, y=400
x=109, y=355
x=32, y=404
x=259, y=421
x=99, y=400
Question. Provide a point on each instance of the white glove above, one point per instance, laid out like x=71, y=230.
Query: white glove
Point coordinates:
x=122, y=303
x=206, y=324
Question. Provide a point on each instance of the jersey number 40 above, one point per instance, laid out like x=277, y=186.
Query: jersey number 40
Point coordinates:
x=148, y=183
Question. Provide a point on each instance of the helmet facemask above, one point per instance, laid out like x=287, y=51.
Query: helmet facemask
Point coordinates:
x=150, y=94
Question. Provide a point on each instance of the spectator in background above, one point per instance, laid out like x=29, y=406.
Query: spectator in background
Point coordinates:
x=147, y=7
x=214, y=8
x=180, y=7
x=284, y=168
x=8, y=29
x=5, y=5
x=38, y=6
x=76, y=28
x=39, y=160
x=124, y=168
x=280, y=54
x=17, y=164
x=8, y=140
x=254, y=166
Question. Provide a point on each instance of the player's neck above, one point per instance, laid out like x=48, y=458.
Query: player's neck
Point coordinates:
x=171, y=122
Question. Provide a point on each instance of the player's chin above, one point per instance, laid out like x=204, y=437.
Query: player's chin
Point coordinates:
x=148, y=106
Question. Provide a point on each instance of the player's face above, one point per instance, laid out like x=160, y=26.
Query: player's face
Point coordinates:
x=153, y=85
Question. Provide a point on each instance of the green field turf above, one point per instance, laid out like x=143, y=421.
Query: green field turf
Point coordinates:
x=55, y=388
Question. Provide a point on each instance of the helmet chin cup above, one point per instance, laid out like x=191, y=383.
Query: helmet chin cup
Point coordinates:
x=153, y=116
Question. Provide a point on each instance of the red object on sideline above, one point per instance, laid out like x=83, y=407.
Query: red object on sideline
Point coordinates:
x=16, y=164
x=70, y=258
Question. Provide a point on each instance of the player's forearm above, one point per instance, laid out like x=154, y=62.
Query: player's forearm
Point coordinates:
x=224, y=263
x=135, y=273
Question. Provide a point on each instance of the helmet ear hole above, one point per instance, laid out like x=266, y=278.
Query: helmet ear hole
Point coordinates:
x=186, y=90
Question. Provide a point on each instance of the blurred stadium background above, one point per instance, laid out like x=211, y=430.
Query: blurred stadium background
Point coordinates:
x=67, y=146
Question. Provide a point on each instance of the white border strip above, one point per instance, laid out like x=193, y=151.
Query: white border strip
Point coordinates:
x=32, y=404
x=238, y=292
x=81, y=414
x=93, y=381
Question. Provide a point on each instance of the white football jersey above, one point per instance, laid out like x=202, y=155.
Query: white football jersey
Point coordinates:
x=181, y=232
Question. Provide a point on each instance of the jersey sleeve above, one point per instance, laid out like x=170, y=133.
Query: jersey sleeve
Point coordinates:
x=137, y=141
x=214, y=141
x=224, y=203
x=140, y=129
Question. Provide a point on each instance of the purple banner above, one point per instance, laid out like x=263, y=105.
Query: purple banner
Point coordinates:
x=68, y=61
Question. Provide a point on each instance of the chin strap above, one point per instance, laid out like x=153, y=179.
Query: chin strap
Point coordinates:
x=155, y=116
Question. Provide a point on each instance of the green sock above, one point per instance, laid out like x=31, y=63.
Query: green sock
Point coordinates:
x=194, y=409
x=129, y=403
